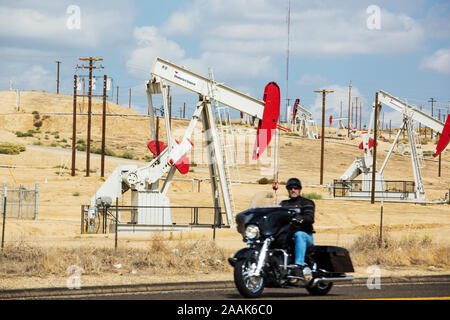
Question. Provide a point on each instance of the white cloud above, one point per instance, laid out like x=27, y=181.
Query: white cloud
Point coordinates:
x=311, y=79
x=438, y=62
x=226, y=64
x=39, y=25
x=151, y=44
x=317, y=28
x=437, y=21
x=32, y=77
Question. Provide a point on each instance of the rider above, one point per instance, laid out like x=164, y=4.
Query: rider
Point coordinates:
x=302, y=226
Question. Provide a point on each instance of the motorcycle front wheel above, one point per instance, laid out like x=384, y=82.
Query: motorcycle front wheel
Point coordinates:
x=248, y=286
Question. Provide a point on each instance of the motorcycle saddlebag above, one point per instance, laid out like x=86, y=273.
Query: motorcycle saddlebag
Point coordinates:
x=332, y=259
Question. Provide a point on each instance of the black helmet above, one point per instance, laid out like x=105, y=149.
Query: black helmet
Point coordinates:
x=293, y=182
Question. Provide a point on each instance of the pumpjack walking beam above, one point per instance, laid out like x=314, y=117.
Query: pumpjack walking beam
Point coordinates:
x=267, y=111
x=411, y=113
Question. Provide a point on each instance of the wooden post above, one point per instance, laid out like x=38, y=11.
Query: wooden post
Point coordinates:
x=348, y=117
x=4, y=215
x=381, y=226
x=374, y=163
x=322, y=148
x=102, y=166
x=74, y=124
x=88, y=138
x=117, y=222
x=82, y=219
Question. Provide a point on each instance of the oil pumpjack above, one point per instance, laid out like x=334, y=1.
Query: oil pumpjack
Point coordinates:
x=348, y=186
x=151, y=202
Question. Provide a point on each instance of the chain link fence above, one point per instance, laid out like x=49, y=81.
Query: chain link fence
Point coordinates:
x=21, y=202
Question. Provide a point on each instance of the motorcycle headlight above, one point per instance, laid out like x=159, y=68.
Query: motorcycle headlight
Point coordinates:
x=252, y=232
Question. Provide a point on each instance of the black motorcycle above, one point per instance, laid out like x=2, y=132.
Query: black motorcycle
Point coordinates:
x=268, y=259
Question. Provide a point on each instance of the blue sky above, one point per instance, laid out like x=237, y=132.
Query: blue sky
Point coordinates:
x=245, y=42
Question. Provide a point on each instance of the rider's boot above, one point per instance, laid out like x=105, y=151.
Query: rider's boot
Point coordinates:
x=297, y=271
x=307, y=273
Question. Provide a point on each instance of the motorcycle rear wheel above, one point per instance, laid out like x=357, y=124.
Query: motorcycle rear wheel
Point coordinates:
x=248, y=286
x=320, y=289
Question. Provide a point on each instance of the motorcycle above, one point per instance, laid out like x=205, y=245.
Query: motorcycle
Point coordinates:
x=268, y=259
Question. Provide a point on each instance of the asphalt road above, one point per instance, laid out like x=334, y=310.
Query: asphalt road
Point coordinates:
x=426, y=288
x=433, y=290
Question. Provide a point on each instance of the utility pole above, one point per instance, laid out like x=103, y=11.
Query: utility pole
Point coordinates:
x=84, y=94
x=322, y=149
x=74, y=124
x=117, y=96
x=432, y=105
x=129, y=100
x=169, y=99
x=349, y=99
x=390, y=130
x=57, y=77
x=88, y=142
x=353, y=109
x=360, y=114
x=374, y=163
x=420, y=124
x=102, y=166
x=287, y=56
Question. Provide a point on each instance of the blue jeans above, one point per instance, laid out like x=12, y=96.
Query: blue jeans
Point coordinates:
x=302, y=240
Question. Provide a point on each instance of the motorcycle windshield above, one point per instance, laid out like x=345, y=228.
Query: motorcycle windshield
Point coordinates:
x=269, y=217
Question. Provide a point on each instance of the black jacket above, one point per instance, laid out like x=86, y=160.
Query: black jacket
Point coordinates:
x=307, y=213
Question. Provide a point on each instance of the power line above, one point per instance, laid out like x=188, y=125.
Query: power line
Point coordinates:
x=90, y=67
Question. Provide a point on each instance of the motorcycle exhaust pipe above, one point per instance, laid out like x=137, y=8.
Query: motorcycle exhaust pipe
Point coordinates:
x=328, y=280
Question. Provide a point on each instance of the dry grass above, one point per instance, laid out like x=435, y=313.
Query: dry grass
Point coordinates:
x=409, y=250
x=161, y=257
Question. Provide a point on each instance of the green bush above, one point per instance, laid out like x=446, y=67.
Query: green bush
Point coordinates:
x=11, y=148
x=127, y=155
x=265, y=180
x=20, y=134
x=107, y=151
x=312, y=196
x=80, y=147
x=147, y=158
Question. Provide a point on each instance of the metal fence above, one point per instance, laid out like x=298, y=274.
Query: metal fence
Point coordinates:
x=20, y=201
x=344, y=188
x=103, y=220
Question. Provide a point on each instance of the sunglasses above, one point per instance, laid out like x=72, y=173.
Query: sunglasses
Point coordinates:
x=293, y=187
